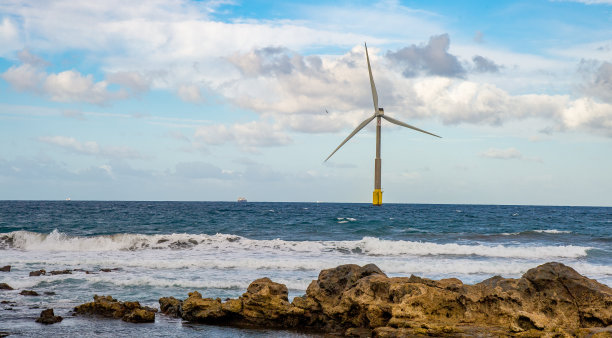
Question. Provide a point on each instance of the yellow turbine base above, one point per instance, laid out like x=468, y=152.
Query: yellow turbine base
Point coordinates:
x=377, y=197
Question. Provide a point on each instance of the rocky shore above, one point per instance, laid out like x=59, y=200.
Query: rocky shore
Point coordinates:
x=549, y=300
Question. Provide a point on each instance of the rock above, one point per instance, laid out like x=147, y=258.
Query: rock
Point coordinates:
x=107, y=306
x=38, y=273
x=170, y=306
x=48, y=317
x=4, y=286
x=5, y=268
x=551, y=299
x=109, y=270
x=61, y=272
x=49, y=293
x=29, y=293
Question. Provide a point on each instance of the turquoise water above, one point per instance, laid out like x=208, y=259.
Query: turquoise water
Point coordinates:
x=218, y=248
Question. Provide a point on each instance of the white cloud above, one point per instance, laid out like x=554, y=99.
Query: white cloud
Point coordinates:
x=504, y=154
x=66, y=86
x=91, y=148
x=190, y=93
x=248, y=136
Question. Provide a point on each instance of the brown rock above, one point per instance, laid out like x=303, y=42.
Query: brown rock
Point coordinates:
x=5, y=268
x=551, y=299
x=170, y=306
x=29, y=293
x=61, y=272
x=48, y=317
x=4, y=286
x=107, y=306
x=38, y=273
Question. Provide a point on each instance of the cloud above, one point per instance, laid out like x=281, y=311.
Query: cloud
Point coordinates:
x=484, y=65
x=503, y=154
x=597, y=79
x=190, y=93
x=247, y=136
x=66, y=86
x=28, y=58
x=91, y=148
x=432, y=59
x=135, y=81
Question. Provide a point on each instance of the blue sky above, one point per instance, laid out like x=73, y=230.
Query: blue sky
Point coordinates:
x=211, y=100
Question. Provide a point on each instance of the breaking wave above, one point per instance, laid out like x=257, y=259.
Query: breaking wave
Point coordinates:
x=369, y=246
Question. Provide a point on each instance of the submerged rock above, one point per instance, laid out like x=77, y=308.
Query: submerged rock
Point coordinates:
x=4, y=286
x=38, y=273
x=6, y=268
x=29, y=293
x=107, y=306
x=48, y=317
x=363, y=301
x=61, y=272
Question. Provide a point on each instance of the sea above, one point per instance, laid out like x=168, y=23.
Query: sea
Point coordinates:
x=160, y=249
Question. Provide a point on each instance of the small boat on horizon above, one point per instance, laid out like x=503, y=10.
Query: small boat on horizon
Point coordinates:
x=241, y=200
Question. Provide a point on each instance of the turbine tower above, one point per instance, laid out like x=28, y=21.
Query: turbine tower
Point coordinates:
x=378, y=114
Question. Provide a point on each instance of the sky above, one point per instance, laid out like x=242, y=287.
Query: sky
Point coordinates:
x=212, y=100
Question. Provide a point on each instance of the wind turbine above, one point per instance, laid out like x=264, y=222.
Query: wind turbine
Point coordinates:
x=378, y=114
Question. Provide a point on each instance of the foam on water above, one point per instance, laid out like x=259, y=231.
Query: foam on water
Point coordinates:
x=371, y=246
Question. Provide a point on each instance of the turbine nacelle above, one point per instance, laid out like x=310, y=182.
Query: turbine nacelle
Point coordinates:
x=381, y=112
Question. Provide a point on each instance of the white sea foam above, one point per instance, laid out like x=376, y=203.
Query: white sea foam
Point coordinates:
x=224, y=243
x=553, y=231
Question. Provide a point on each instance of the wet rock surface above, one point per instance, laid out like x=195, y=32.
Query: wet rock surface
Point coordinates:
x=4, y=286
x=107, y=306
x=38, y=273
x=359, y=301
x=6, y=268
x=48, y=317
x=29, y=293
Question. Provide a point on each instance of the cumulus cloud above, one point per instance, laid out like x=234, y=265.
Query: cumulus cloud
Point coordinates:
x=432, y=59
x=135, y=81
x=484, y=65
x=28, y=58
x=91, y=148
x=248, y=136
x=502, y=154
x=66, y=86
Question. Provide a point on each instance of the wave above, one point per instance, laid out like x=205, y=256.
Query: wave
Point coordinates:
x=544, y=231
x=370, y=246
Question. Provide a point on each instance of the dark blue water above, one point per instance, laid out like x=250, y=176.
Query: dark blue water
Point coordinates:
x=171, y=248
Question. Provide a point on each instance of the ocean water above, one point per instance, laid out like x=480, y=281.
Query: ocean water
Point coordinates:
x=217, y=248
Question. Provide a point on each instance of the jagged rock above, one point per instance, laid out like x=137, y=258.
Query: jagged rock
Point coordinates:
x=551, y=299
x=61, y=272
x=109, y=270
x=4, y=286
x=170, y=306
x=6, y=268
x=48, y=317
x=107, y=306
x=38, y=273
x=29, y=293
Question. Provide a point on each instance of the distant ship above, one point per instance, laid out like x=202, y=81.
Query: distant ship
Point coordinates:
x=67, y=198
x=241, y=199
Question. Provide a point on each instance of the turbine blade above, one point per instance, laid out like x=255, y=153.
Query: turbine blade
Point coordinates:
x=359, y=127
x=374, y=93
x=400, y=123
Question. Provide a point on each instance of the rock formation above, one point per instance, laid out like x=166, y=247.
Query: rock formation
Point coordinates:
x=29, y=293
x=48, y=317
x=4, y=286
x=38, y=273
x=6, y=268
x=107, y=306
x=362, y=301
